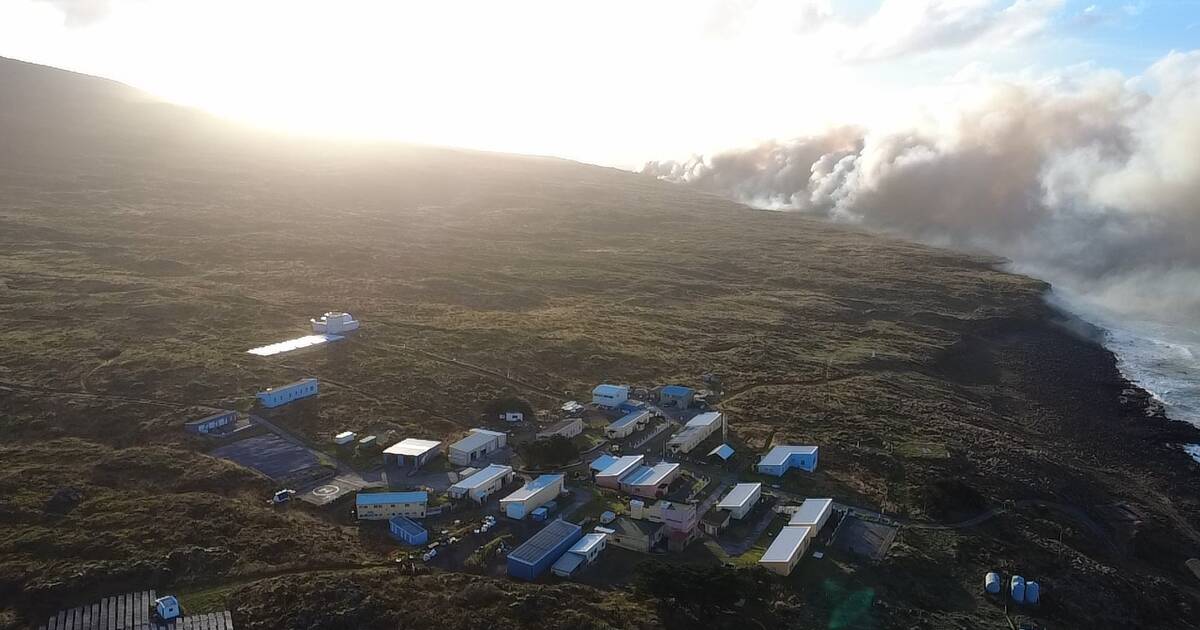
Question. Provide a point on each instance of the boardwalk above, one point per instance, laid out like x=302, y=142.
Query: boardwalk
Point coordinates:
x=131, y=611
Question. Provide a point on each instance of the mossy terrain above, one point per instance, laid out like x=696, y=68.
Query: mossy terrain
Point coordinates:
x=144, y=249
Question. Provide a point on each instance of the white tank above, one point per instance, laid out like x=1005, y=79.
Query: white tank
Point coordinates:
x=1018, y=589
x=991, y=582
x=636, y=508
x=1033, y=592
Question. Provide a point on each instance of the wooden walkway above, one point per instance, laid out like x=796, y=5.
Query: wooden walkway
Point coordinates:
x=131, y=611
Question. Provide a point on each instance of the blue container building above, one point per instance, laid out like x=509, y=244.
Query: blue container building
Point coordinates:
x=407, y=531
x=535, y=556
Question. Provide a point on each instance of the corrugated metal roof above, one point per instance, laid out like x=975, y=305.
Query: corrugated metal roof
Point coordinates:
x=543, y=542
x=787, y=544
x=779, y=455
x=412, y=447
x=723, y=451
x=704, y=419
x=585, y=544
x=740, y=495
x=811, y=512
x=622, y=466
x=378, y=498
x=531, y=488
x=603, y=462
x=605, y=388
x=476, y=440
x=630, y=418
x=650, y=475
x=483, y=477
x=407, y=524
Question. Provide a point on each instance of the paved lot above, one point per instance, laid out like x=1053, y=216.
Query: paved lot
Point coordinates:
x=331, y=490
x=271, y=455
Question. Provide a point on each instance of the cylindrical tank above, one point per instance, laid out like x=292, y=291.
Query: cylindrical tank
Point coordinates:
x=1033, y=592
x=991, y=582
x=1018, y=589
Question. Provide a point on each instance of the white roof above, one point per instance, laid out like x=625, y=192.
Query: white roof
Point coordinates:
x=345, y=434
x=605, y=388
x=740, y=495
x=533, y=487
x=585, y=544
x=705, y=419
x=622, y=466
x=293, y=344
x=484, y=477
x=650, y=475
x=632, y=417
x=779, y=455
x=787, y=544
x=811, y=512
x=411, y=447
x=476, y=440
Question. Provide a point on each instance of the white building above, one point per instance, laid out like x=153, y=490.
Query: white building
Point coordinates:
x=784, y=457
x=568, y=428
x=786, y=550
x=650, y=481
x=611, y=476
x=533, y=495
x=696, y=431
x=276, y=396
x=813, y=513
x=411, y=452
x=479, y=486
x=741, y=499
x=512, y=416
x=476, y=446
x=379, y=506
x=606, y=395
x=627, y=424
x=334, y=323
x=344, y=438
x=581, y=554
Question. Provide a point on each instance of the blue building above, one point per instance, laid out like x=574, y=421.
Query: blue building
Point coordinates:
x=783, y=458
x=276, y=396
x=407, y=531
x=680, y=396
x=209, y=424
x=535, y=556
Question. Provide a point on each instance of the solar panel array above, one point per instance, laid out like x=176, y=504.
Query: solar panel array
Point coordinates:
x=542, y=542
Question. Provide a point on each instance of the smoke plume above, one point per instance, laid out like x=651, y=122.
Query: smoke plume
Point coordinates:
x=1092, y=184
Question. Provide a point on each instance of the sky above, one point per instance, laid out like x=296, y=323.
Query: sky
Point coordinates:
x=611, y=82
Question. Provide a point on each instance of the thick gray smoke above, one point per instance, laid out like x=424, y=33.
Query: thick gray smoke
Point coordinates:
x=1094, y=186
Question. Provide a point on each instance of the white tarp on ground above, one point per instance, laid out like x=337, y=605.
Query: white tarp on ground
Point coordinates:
x=293, y=344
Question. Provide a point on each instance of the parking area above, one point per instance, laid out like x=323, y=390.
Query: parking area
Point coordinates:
x=271, y=455
x=331, y=490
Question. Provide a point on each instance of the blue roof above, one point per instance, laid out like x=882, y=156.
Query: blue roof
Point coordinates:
x=406, y=524
x=379, y=498
x=723, y=451
x=677, y=390
x=602, y=462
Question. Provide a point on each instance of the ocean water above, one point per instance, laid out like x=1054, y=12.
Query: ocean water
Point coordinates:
x=1162, y=358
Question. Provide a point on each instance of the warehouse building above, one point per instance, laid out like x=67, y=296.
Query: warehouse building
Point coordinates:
x=784, y=457
x=476, y=446
x=209, y=424
x=676, y=396
x=610, y=477
x=533, y=495
x=696, y=431
x=276, y=396
x=813, y=513
x=582, y=553
x=741, y=499
x=650, y=481
x=407, y=531
x=786, y=550
x=600, y=463
x=411, y=452
x=334, y=323
x=627, y=424
x=484, y=483
x=636, y=535
x=568, y=428
x=378, y=506
x=610, y=396
x=537, y=554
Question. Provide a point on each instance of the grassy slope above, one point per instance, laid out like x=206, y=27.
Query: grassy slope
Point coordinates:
x=144, y=249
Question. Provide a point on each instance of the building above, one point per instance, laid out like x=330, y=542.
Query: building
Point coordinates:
x=714, y=521
x=378, y=506
x=813, y=513
x=533, y=495
x=679, y=519
x=723, y=451
x=782, y=458
x=636, y=535
x=411, y=452
x=676, y=396
x=368, y=443
x=476, y=446
x=167, y=608
x=582, y=553
x=610, y=477
x=741, y=499
x=512, y=416
x=650, y=481
x=696, y=431
x=407, y=531
x=210, y=424
x=610, y=395
x=568, y=428
x=334, y=323
x=600, y=463
x=627, y=424
x=573, y=408
x=479, y=486
x=344, y=438
x=786, y=550
x=535, y=555
x=276, y=396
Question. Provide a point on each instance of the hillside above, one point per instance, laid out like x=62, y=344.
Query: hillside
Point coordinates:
x=144, y=248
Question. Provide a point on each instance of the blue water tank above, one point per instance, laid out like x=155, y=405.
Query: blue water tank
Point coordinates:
x=1017, y=588
x=1033, y=592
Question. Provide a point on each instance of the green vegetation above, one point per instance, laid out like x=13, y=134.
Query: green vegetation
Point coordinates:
x=549, y=453
x=488, y=551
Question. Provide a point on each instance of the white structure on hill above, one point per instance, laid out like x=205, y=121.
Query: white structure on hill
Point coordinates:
x=276, y=396
x=334, y=323
x=741, y=499
x=606, y=395
x=787, y=549
x=813, y=513
x=476, y=446
x=696, y=431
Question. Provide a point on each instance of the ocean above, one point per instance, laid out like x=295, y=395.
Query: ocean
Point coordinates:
x=1162, y=358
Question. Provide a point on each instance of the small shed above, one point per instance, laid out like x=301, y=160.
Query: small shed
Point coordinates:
x=407, y=531
x=210, y=424
x=722, y=451
x=167, y=607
